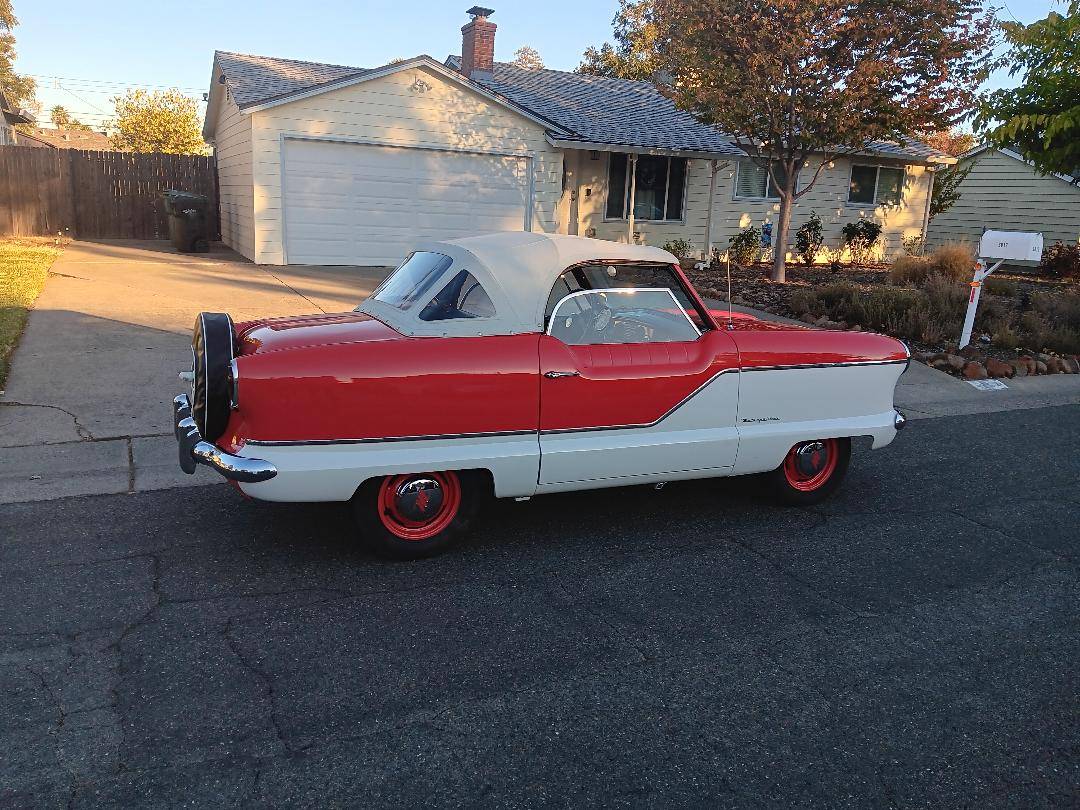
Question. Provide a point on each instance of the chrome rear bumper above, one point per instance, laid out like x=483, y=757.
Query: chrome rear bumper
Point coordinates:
x=194, y=450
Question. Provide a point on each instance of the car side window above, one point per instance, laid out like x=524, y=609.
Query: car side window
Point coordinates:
x=462, y=297
x=620, y=275
x=621, y=315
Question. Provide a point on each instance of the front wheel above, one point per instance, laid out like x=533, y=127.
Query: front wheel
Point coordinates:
x=416, y=515
x=811, y=471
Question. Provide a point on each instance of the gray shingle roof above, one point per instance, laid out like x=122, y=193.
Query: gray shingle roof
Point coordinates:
x=256, y=79
x=609, y=111
x=592, y=109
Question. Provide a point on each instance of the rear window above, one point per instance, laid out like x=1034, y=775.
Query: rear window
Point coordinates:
x=413, y=280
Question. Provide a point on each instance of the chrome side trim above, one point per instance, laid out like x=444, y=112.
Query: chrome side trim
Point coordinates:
x=193, y=450
x=428, y=437
x=437, y=437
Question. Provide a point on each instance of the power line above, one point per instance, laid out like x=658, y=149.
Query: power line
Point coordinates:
x=113, y=83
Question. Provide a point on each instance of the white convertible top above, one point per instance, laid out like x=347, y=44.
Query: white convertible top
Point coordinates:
x=517, y=270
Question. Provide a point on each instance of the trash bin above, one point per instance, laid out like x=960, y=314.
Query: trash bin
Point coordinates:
x=187, y=221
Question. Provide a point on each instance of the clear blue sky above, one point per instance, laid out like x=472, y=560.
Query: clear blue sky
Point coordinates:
x=98, y=50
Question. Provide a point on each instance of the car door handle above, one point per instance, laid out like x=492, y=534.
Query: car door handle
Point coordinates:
x=554, y=375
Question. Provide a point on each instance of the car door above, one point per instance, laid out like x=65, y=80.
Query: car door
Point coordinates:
x=631, y=388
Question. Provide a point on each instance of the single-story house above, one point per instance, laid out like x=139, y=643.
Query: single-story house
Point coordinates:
x=1004, y=192
x=9, y=117
x=330, y=164
x=58, y=138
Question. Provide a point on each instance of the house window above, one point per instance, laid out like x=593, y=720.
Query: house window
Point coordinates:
x=875, y=185
x=658, y=191
x=753, y=182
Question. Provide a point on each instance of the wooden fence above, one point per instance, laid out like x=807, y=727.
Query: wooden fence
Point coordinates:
x=96, y=195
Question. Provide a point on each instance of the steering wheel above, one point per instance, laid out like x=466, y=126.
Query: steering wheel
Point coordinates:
x=602, y=316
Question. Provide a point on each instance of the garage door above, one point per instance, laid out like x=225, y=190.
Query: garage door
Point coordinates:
x=369, y=205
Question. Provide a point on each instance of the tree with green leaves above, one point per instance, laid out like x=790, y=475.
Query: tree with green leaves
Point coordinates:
x=19, y=90
x=528, y=58
x=162, y=121
x=62, y=119
x=634, y=55
x=791, y=79
x=1040, y=119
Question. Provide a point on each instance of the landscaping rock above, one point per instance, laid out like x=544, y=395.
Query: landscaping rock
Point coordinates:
x=969, y=352
x=855, y=328
x=1040, y=367
x=1053, y=364
x=808, y=317
x=999, y=369
x=941, y=363
x=1029, y=364
x=1020, y=368
x=974, y=370
x=955, y=361
x=1071, y=364
x=822, y=321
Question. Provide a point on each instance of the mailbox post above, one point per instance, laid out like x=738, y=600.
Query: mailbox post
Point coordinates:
x=1003, y=246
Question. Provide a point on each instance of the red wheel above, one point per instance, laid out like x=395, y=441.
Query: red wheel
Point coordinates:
x=810, y=464
x=416, y=515
x=418, y=507
x=812, y=470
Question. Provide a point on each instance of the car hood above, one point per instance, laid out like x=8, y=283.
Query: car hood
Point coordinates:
x=277, y=334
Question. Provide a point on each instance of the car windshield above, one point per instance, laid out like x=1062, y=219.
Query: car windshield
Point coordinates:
x=413, y=280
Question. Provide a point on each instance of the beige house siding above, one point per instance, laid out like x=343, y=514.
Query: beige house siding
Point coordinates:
x=1007, y=194
x=828, y=198
x=232, y=150
x=389, y=111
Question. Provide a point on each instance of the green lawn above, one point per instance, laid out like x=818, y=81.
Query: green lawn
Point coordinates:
x=24, y=265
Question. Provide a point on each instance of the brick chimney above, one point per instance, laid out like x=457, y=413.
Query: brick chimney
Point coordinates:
x=478, y=42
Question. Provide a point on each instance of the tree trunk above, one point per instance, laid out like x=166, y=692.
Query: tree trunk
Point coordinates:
x=780, y=240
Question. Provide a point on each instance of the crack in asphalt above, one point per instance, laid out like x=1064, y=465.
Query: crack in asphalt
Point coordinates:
x=267, y=683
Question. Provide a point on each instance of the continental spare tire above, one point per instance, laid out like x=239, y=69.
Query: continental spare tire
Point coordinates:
x=212, y=353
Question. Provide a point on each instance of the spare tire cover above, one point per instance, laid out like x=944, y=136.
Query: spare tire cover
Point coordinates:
x=212, y=351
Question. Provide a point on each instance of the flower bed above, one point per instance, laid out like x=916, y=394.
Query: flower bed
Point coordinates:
x=1020, y=316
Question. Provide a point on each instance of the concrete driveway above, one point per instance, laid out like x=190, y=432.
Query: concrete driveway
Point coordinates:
x=96, y=369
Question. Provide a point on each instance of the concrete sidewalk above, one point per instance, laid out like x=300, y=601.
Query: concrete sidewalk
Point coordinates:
x=87, y=406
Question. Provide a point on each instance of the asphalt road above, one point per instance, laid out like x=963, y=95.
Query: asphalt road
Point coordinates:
x=913, y=643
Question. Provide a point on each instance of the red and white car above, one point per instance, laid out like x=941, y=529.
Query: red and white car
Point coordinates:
x=521, y=364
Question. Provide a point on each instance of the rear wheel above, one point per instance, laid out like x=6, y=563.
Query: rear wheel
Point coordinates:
x=415, y=515
x=811, y=471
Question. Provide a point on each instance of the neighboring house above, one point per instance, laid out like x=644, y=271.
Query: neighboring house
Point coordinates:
x=1004, y=192
x=66, y=139
x=9, y=117
x=329, y=164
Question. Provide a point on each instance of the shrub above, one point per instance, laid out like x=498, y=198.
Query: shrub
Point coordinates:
x=1061, y=260
x=681, y=248
x=860, y=237
x=955, y=261
x=745, y=246
x=809, y=239
x=914, y=245
x=909, y=270
x=1000, y=286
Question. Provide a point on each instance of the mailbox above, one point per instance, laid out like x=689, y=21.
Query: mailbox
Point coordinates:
x=1011, y=246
